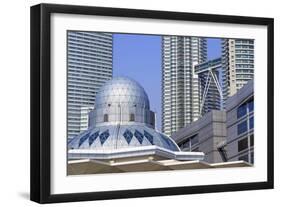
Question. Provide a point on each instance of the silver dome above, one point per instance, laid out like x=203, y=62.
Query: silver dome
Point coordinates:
x=113, y=127
x=121, y=100
x=122, y=91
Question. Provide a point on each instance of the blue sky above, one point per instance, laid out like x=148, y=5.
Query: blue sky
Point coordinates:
x=139, y=57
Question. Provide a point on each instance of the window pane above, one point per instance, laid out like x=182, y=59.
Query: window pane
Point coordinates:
x=251, y=122
x=252, y=140
x=242, y=127
x=242, y=110
x=251, y=105
x=242, y=144
x=132, y=117
x=105, y=118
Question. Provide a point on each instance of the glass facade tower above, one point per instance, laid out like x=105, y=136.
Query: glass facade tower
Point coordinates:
x=180, y=87
x=237, y=64
x=89, y=66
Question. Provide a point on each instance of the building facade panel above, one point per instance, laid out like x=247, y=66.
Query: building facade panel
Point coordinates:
x=240, y=124
x=204, y=135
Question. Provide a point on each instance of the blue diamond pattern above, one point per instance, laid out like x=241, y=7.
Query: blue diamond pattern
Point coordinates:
x=128, y=136
x=139, y=136
x=83, y=138
x=148, y=136
x=104, y=136
x=93, y=137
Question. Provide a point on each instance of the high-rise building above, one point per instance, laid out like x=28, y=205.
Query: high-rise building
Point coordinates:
x=237, y=64
x=89, y=66
x=180, y=87
x=211, y=94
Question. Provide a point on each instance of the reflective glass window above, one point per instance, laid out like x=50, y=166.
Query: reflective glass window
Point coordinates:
x=242, y=127
x=251, y=120
x=242, y=110
x=251, y=105
x=243, y=144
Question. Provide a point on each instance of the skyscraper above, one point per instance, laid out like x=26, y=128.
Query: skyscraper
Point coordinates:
x=237, y=64
x=180, y=87
x=89, y=66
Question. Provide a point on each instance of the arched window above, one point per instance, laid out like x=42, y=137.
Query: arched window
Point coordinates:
x=132, y=117
x=105, y=117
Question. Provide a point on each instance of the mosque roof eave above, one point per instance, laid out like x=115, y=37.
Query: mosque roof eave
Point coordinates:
x=132, y=152
x=88, y=166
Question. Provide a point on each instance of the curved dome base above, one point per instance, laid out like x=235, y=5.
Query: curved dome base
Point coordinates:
x=121, y=136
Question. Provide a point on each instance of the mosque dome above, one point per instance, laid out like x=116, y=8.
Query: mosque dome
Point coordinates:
x=122, y=119
x=122, y=91
x=122, y=100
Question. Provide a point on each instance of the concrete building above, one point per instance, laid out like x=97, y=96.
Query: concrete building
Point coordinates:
x=89, y=65
x=123, y=137
x=237, y=64
x=204, y=135
x=211, y=94
x=85, y=117
x=240, y=124
x=180, y=87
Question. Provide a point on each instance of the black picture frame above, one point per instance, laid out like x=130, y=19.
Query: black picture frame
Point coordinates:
x=41, y=99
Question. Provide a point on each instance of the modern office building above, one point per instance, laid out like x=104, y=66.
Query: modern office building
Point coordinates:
x=180, y=87
x=211, y=94
x=237, y=64
x=89, y=66
x=204, y=135
x=123, y=137
x=226, y=135
x=240, y=124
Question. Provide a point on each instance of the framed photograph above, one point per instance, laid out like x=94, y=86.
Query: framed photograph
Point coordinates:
x=132, y=103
